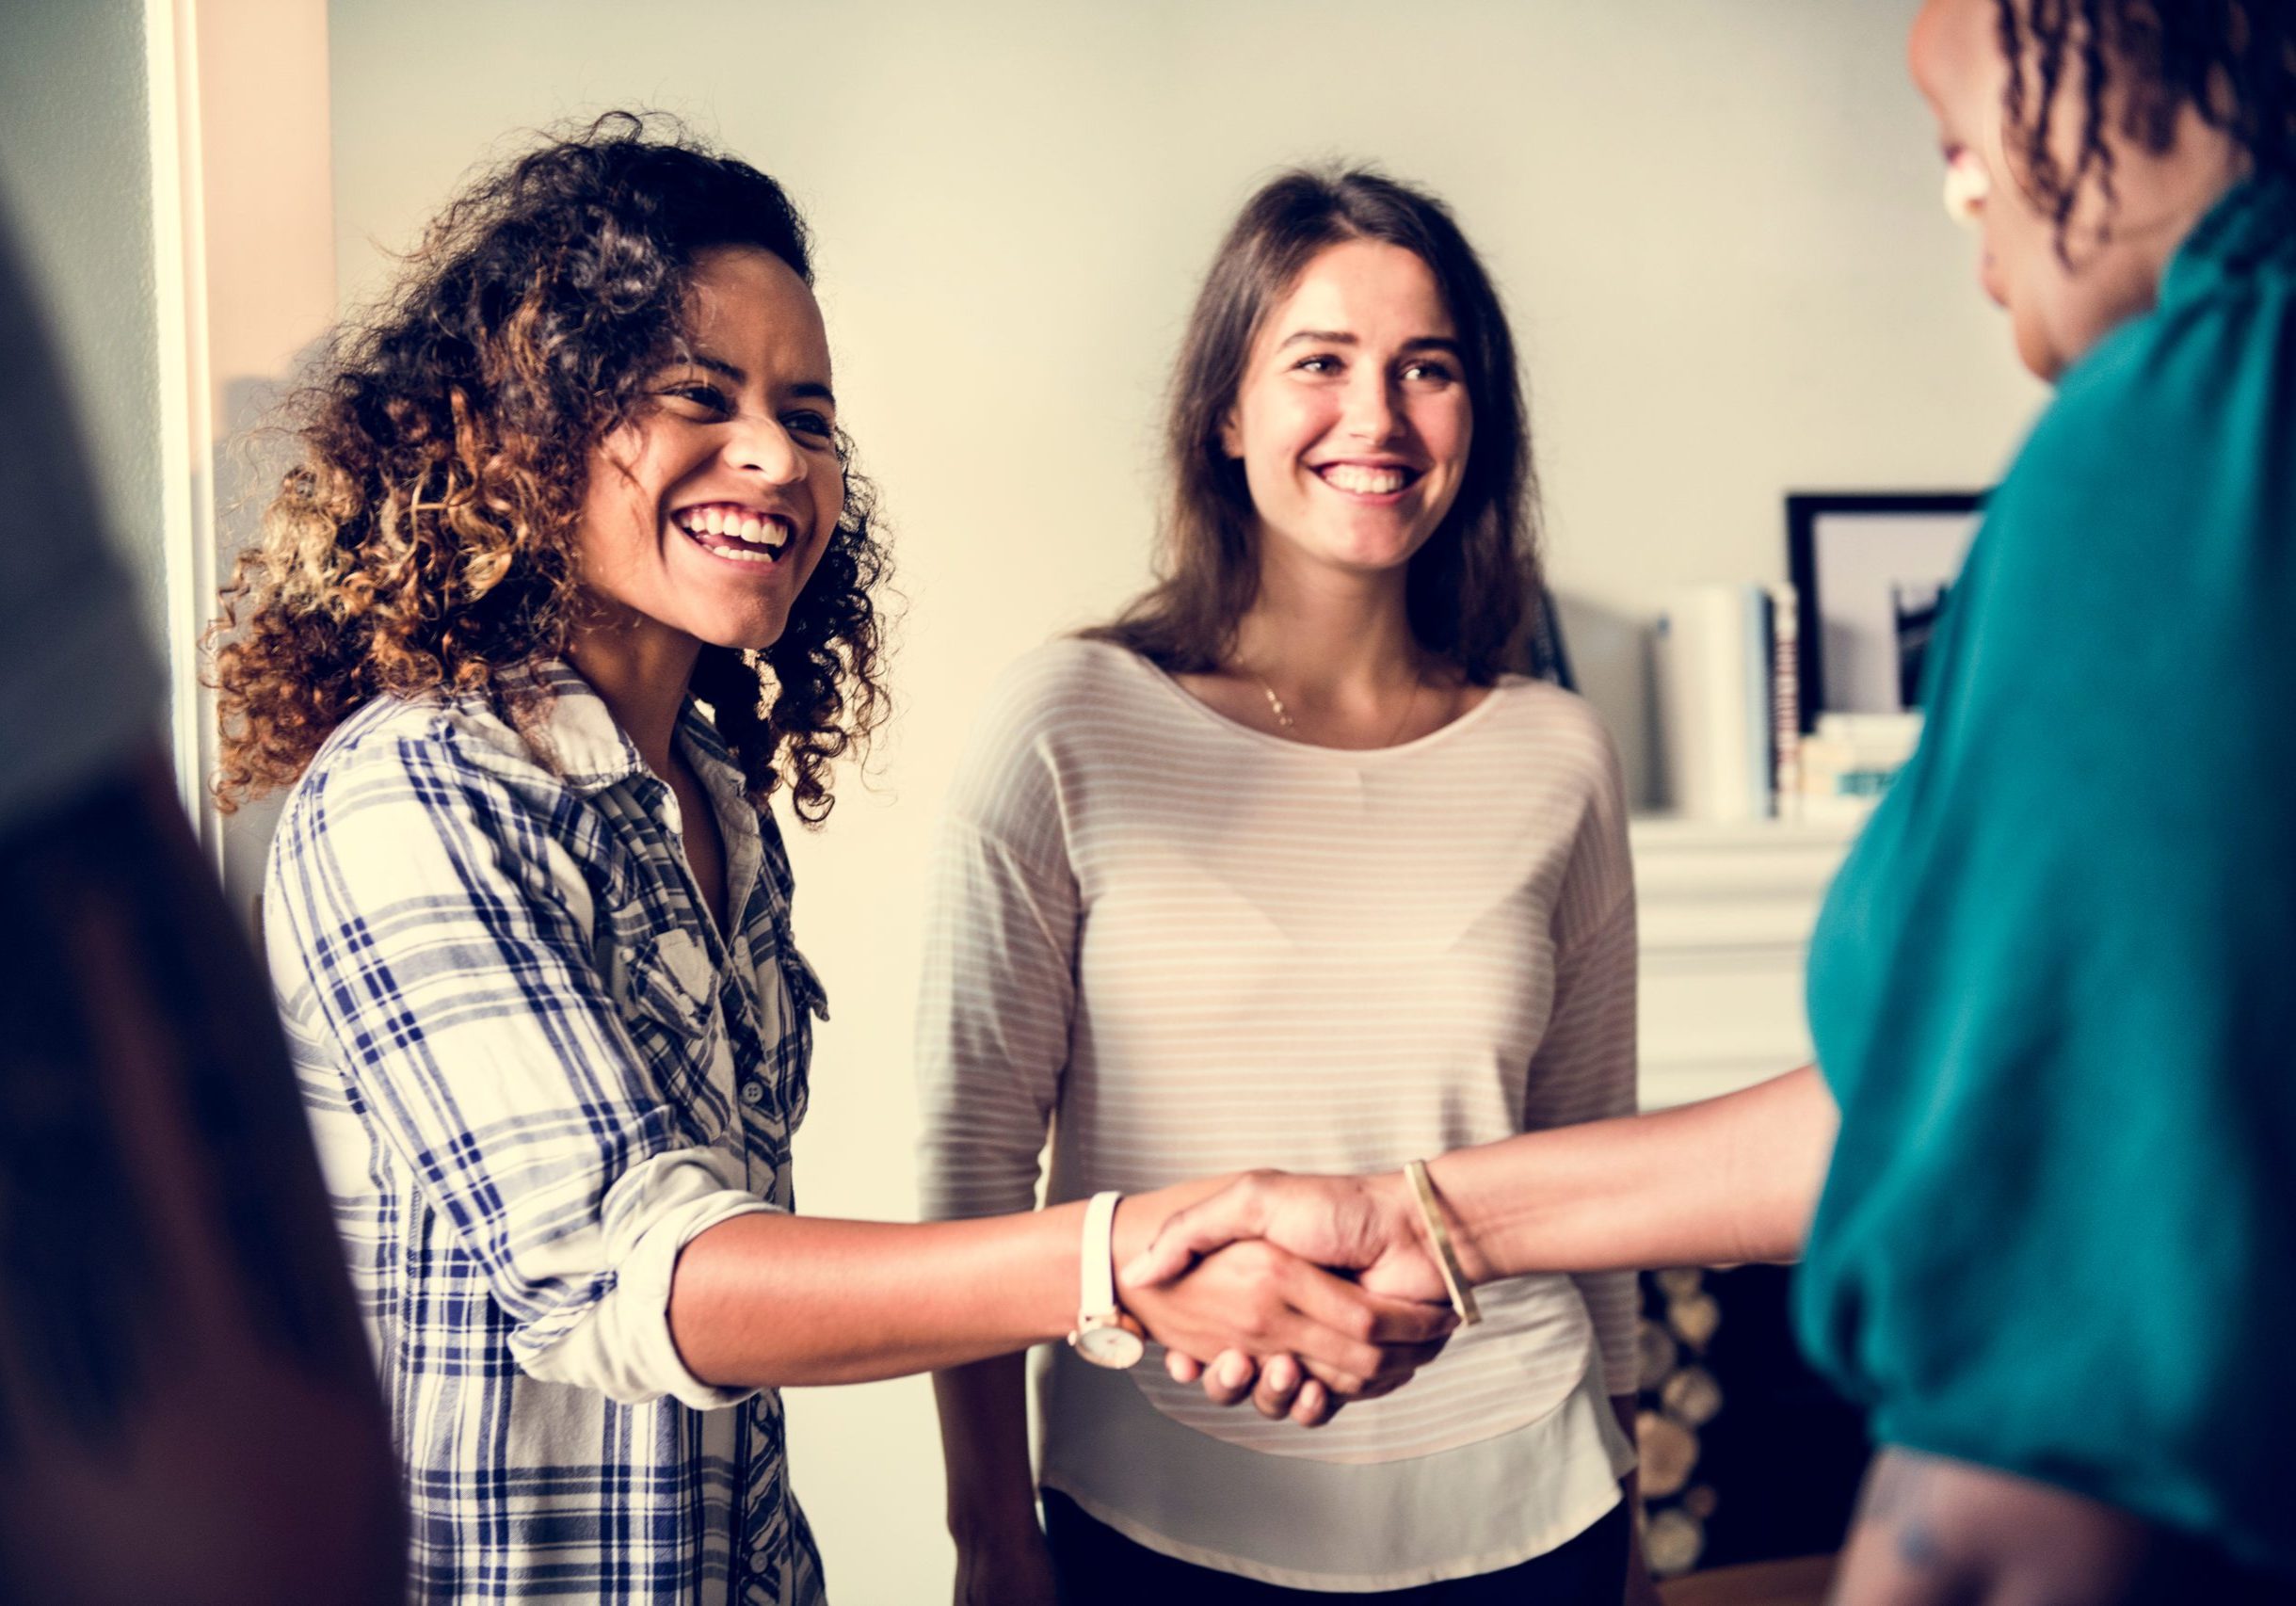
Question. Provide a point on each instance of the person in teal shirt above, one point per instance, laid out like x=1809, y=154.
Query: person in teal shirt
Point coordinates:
x=2045, y=1190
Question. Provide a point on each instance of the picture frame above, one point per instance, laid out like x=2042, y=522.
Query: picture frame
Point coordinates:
x=1870, y=570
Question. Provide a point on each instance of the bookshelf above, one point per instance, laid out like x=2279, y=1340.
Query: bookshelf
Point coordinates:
x=1726, y=912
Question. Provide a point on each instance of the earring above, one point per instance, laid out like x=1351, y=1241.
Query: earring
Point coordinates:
x=1967, y=184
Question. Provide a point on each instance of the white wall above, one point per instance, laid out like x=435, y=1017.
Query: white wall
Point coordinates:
x=1715, y=220
x=267, y=240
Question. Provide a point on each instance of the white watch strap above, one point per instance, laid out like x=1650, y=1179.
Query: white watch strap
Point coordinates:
x=1098, y=1296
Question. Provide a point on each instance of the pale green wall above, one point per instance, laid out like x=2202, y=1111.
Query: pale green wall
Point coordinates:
x=75, y=172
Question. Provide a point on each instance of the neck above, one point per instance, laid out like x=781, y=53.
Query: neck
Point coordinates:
x=640, y=669
x=2162, y=199
x=1327, y=634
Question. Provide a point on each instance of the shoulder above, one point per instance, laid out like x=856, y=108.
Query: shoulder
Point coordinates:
x=2183, y=402
x=2152, y=491
x=419, y=817
x=410, y=765
x=1046, y=721
x=1556, y=732
x=1059, y=690
x=1068, y=678
x=1564, y=776
x=431, y=730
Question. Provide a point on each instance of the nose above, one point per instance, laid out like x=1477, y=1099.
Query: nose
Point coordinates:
x=1371, y=414
x=762, y=446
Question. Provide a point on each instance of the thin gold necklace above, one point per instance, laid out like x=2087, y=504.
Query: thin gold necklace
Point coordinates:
x=1283, y=715
x=1285, y=719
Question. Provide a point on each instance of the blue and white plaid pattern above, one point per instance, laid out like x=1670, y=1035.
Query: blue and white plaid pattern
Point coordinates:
x=505, y=1000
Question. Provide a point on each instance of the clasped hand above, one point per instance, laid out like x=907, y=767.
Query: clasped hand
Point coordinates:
x=1235, y=1287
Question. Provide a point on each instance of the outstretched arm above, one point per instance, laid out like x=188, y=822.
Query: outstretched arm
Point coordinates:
x=1723, y=1182
x=773, y=1299
x=1719, y=1182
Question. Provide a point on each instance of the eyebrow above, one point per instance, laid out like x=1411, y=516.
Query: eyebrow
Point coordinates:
x=1340, y=337
x=811, y=390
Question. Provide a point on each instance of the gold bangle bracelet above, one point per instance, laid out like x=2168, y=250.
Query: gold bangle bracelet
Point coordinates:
x=1446, y=1262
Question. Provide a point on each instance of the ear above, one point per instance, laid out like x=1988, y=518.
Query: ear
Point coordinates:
x=1231, y=433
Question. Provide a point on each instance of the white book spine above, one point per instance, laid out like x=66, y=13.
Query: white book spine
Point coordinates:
x=1708, y=735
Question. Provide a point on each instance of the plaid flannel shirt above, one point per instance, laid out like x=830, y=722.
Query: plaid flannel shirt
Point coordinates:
x=536, y=1071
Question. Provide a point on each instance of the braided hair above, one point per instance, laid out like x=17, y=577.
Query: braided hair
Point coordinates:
x=2141, y=63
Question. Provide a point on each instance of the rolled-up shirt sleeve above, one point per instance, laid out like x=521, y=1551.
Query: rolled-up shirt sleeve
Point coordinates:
x=452, y=955
x=622, y=1346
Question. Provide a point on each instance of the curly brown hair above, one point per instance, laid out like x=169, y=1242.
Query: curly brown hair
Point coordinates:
x=426, y=541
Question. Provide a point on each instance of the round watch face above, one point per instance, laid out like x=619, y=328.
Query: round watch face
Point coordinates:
x=1111, y=1346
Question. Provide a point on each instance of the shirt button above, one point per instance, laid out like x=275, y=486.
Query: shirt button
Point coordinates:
x=753, y=1091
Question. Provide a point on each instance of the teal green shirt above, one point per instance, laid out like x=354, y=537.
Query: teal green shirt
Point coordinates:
x=2054, y=985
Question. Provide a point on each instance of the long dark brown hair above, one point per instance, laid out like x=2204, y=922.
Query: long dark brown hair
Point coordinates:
x=426, y=541
x=1468, y=586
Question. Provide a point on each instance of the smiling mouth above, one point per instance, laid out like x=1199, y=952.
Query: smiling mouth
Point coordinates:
x=739, y=535
x=1367, y=479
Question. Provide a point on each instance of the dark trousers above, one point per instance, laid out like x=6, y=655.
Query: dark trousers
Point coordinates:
x=1096, y=1565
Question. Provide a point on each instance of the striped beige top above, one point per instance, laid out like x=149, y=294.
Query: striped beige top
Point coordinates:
x=1205, y=948
x=1196, y=947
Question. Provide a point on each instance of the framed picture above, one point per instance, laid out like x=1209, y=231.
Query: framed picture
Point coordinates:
x=1870, y=571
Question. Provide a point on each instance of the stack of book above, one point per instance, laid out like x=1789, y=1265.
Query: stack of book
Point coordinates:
x=1849, y=760
x=1730, y=715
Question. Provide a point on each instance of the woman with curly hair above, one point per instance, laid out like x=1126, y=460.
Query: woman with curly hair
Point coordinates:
x=574, y=575
x=2045, y=1189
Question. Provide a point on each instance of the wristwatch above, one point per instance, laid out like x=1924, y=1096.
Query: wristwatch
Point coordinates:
x=1105, y=1335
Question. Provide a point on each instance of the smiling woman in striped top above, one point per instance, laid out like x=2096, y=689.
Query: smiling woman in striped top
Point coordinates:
x=1282, y=868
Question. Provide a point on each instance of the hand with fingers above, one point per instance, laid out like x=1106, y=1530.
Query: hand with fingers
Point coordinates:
x=1365, y=1226
x=1265, y=1311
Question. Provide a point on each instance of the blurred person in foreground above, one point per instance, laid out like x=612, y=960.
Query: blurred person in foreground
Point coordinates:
x=186, y=1408
x=2051, y=1146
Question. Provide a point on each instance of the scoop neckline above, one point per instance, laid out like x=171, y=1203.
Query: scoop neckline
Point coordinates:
x=1204, y=711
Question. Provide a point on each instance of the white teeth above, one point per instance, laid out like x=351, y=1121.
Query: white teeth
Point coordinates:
x=737, y=524
x=1365, y=481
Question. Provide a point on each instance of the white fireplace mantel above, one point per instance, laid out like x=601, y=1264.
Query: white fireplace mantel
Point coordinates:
x=1726, y=913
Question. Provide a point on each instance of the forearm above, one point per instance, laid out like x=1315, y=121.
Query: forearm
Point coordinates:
x=1933, y=1532
x=777, y=1300
x=1719, y=1182
x=785, y=1300
x=984, y=1438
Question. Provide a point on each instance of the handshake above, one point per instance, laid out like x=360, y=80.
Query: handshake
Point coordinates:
x=1303, y=1293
